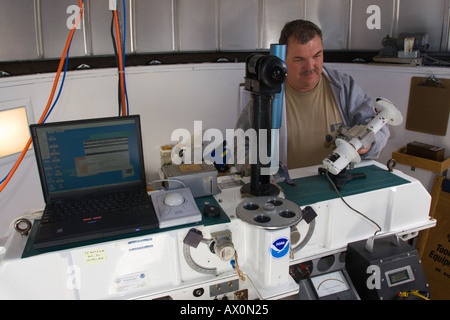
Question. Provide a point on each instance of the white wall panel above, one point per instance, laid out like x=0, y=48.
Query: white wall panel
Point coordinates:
x=239, y=25
x=361, y=36
x=276, y=15
x=55, y=31
x=154, y=26
x=197, y=25
x=33, y=29
x=331, y=16
x=100, y=26
x=17, y=30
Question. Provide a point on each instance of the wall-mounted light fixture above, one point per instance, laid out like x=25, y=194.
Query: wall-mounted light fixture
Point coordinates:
x=15, y=116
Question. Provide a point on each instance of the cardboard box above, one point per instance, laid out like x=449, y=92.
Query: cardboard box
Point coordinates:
x=434, y=244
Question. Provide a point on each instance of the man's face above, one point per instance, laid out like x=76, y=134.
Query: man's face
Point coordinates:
x=304, y=63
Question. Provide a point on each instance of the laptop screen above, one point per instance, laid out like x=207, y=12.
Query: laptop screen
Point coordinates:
x=80, y=156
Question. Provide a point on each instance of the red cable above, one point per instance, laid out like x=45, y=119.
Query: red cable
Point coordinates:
x=121, y=72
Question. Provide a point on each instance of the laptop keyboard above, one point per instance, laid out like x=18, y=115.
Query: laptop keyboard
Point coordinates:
x=91, y=210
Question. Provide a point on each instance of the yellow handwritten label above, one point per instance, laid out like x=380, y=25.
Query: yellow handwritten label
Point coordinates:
x=94, y=256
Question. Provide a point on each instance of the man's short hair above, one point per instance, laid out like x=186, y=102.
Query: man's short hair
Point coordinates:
x=302, y=30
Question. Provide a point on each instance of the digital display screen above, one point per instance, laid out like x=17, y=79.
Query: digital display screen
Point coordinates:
x=399, y=276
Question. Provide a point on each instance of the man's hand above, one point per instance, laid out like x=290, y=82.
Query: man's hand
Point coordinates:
x=362, y=151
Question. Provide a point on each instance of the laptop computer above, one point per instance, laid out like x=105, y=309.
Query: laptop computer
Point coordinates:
x=93, y=180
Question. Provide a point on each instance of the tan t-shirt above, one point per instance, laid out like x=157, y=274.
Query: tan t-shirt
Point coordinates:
x=310, y=116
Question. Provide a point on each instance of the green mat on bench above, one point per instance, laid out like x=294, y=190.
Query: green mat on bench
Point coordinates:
x=309, y=190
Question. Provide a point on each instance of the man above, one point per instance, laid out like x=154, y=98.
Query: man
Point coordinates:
x=317, y=101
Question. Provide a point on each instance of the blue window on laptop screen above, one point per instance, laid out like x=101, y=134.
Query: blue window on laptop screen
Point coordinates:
x=88, y=155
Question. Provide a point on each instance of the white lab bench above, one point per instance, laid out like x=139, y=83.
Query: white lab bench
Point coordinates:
x=153, y=265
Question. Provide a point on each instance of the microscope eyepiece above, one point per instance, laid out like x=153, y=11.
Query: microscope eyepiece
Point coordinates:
x=265, y=73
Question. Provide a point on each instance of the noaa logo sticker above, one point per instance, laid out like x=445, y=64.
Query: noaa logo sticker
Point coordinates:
x=279, y=248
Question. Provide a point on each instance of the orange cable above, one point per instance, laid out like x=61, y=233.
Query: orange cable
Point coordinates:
x=55, y=84
x=121, y=72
